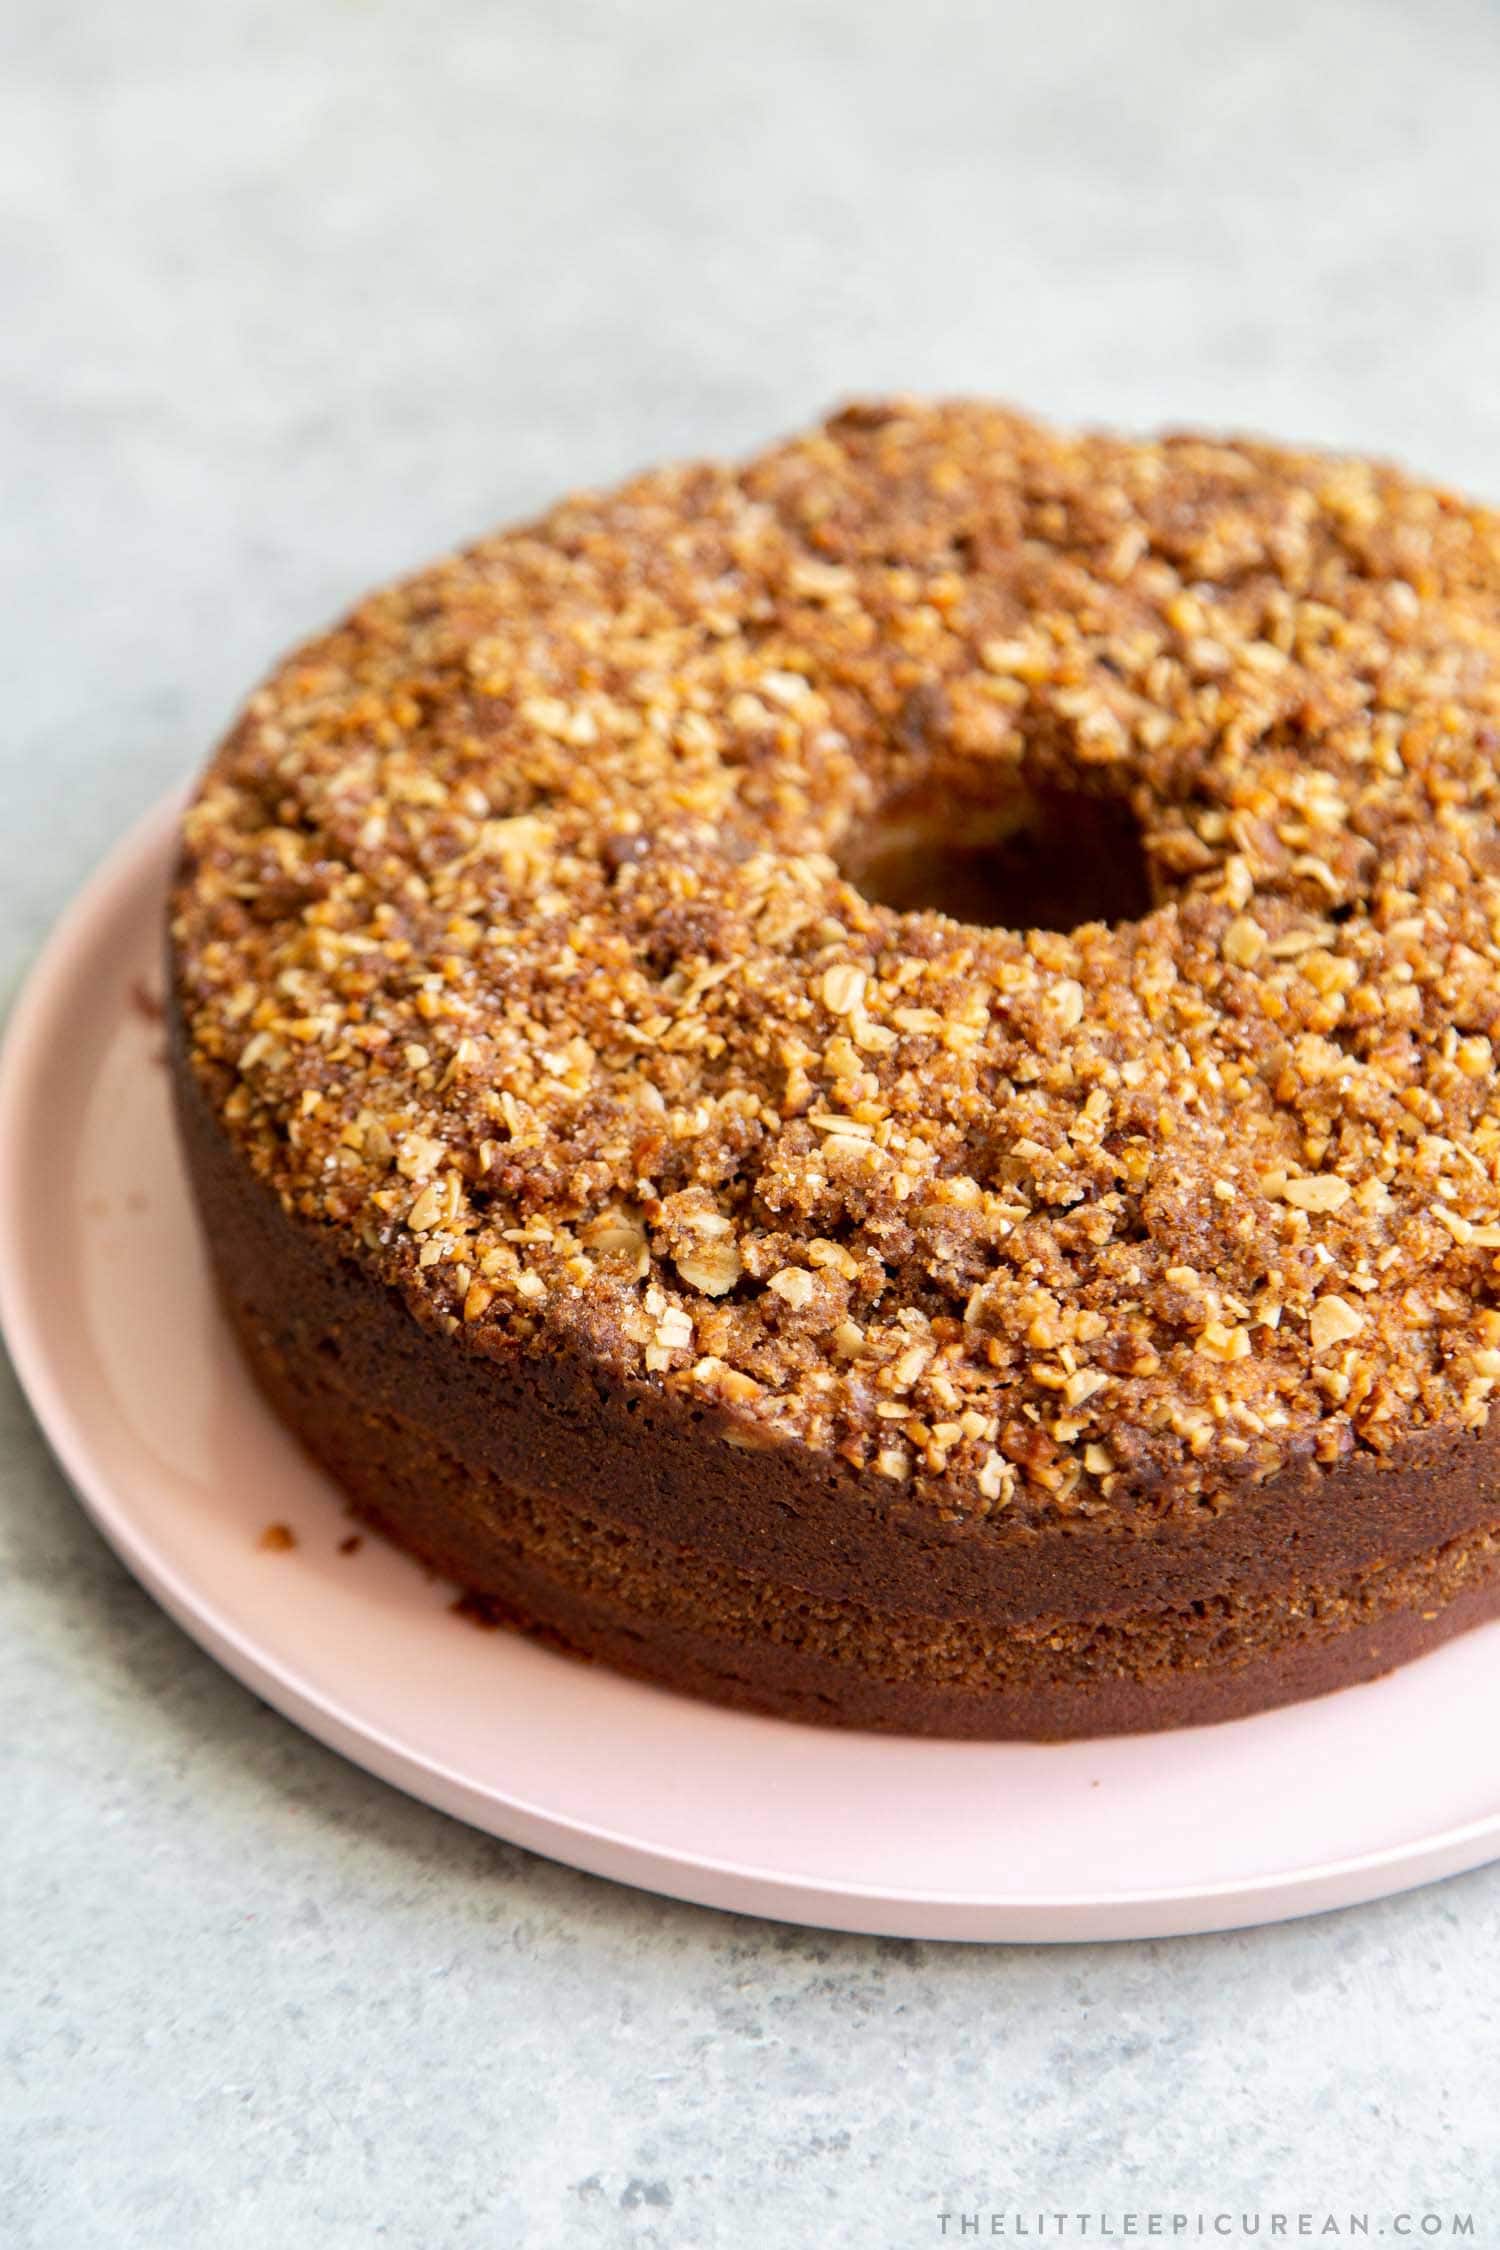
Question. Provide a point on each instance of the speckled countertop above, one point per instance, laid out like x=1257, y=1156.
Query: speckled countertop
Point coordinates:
x=294, y=296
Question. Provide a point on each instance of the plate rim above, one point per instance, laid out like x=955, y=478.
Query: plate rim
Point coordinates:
x=703, y=1878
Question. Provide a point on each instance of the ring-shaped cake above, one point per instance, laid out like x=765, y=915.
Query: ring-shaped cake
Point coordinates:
x=864, y=1083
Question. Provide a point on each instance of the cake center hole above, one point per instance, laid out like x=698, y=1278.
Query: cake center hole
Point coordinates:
x=1047, y=859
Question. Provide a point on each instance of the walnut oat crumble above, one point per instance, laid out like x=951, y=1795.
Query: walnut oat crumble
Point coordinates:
x=513, y=942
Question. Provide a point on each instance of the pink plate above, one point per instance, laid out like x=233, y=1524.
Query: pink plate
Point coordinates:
x=108, y=1315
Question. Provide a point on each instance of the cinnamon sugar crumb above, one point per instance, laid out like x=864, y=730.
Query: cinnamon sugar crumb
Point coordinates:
x=512, y=943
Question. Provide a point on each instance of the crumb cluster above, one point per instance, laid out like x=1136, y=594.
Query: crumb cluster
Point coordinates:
x=513, y=942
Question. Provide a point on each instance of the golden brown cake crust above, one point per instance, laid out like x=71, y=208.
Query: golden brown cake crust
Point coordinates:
x=517, y=955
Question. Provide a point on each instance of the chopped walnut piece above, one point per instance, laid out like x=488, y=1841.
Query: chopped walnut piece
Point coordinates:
x=843, y=989
x=1333, y=1321
x=714, y=1265
x=1243, y=942
x=1322, y=1192
x=1221, y=1341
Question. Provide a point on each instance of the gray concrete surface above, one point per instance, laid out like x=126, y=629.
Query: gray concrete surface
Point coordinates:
x=290, y=296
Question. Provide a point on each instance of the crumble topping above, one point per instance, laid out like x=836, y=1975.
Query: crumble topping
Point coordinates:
x=513, y=943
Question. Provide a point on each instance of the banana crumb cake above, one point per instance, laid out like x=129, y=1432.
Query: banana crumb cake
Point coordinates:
x=864, y=1084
